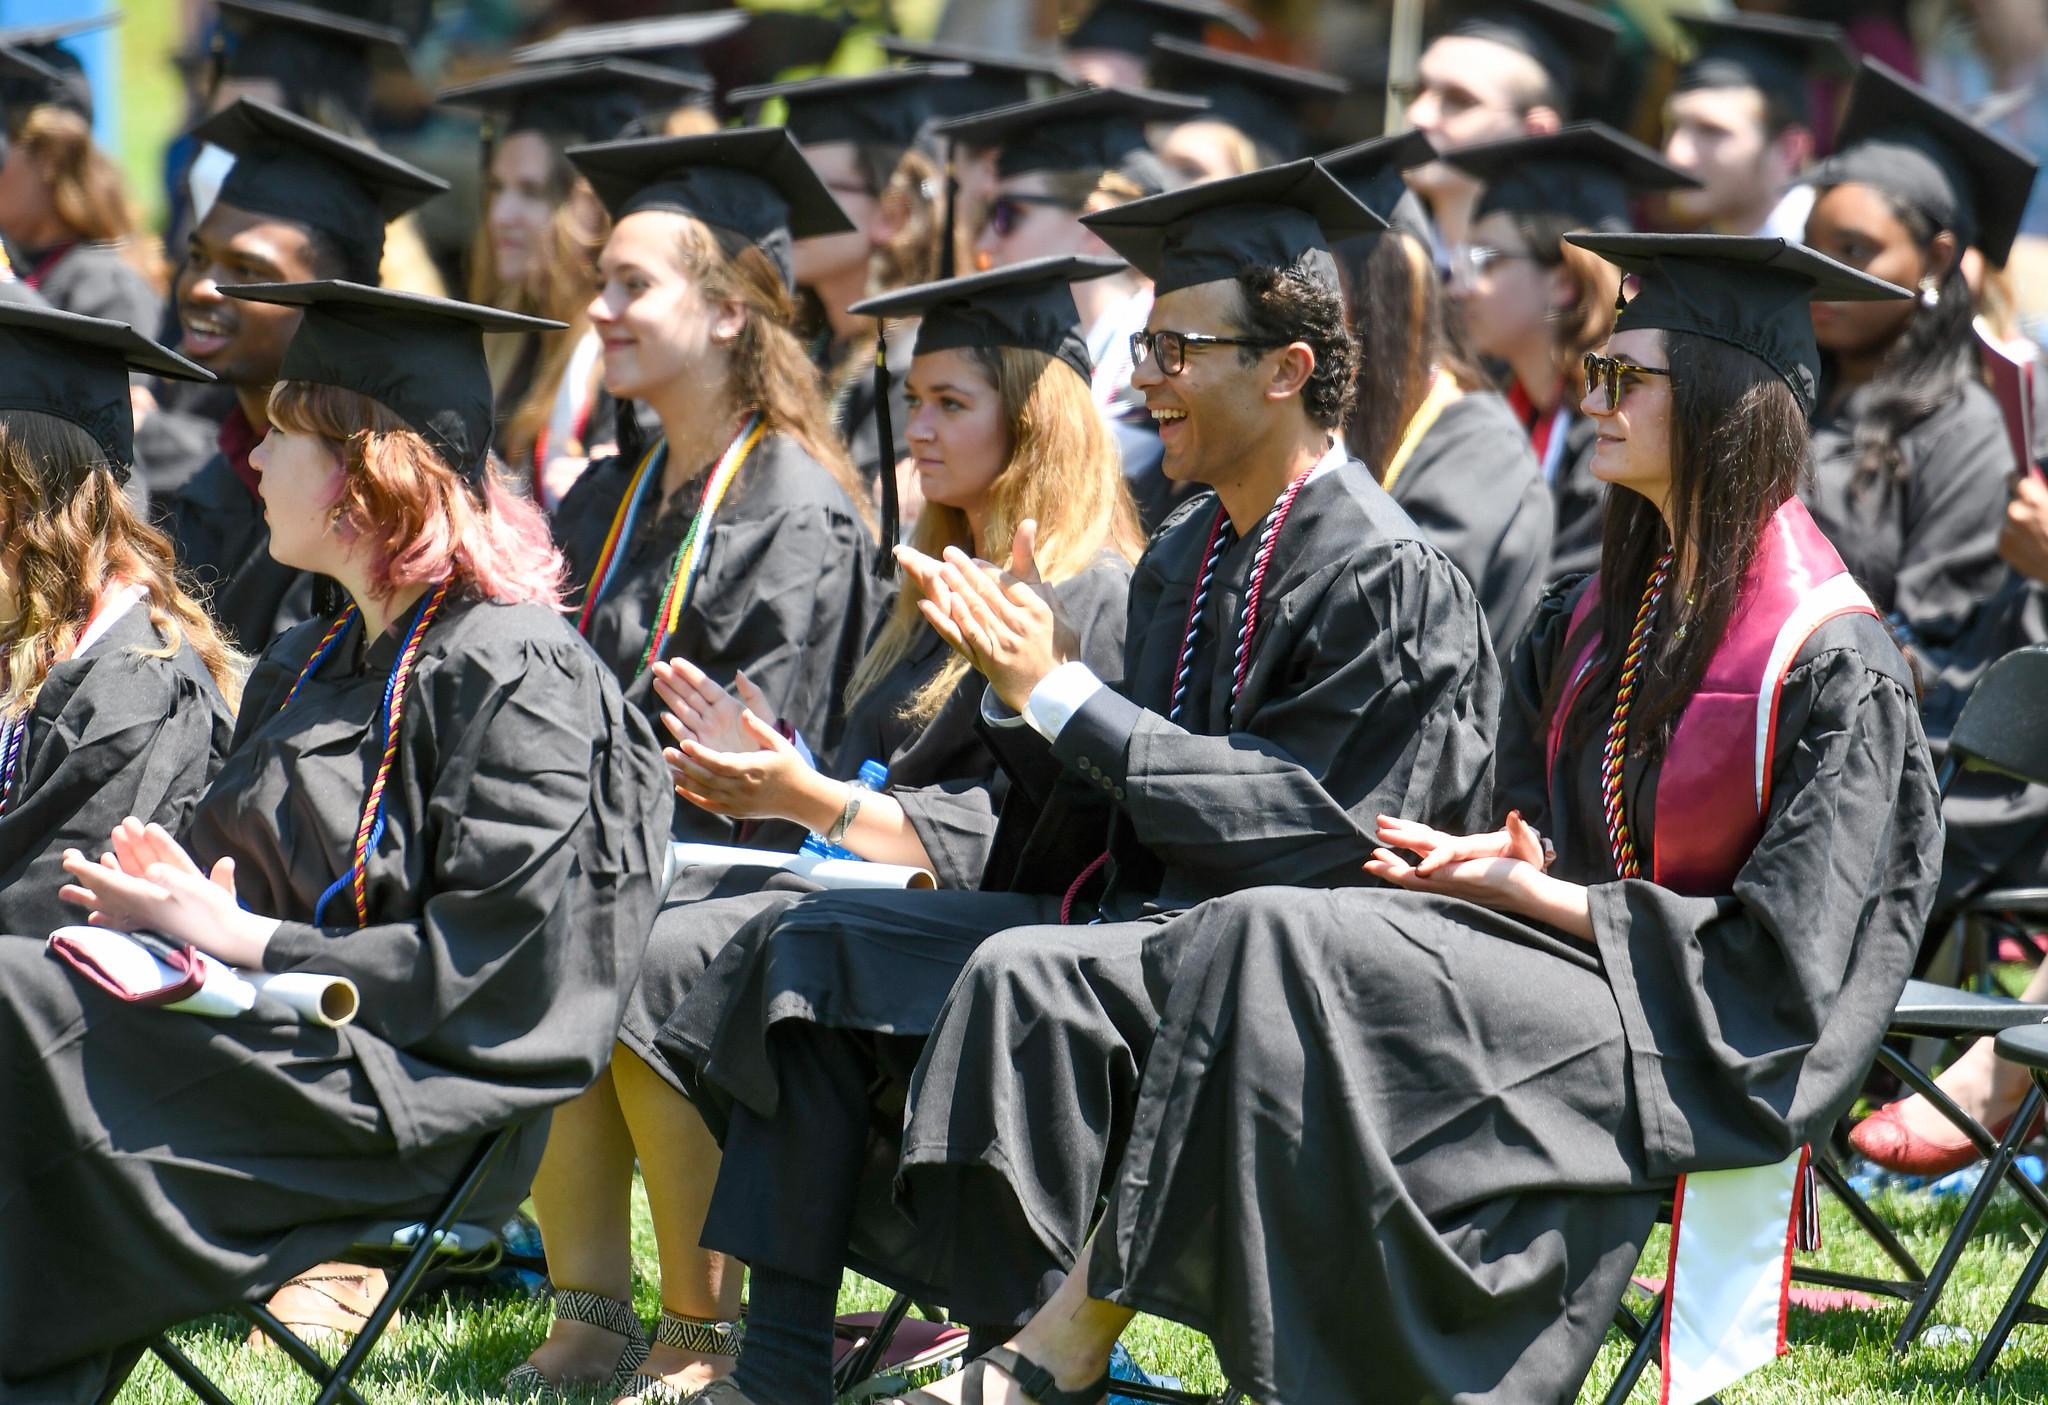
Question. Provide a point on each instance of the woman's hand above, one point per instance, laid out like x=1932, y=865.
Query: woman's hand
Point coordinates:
x=1502, y=870
x=766, y=779
x=1436, y=849
x=147, y=882
x=695, y=708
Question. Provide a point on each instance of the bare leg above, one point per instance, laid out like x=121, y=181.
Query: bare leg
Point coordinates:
x=582, y=1196
x=679, y=1166
x=1987, y=1087
x=1071, y=1336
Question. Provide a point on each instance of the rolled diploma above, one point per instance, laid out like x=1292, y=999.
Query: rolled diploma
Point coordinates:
x=314, y=998
x=826, y=873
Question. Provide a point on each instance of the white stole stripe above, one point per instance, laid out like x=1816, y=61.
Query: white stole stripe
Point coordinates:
x=1731, y=1234
x=1837, y=595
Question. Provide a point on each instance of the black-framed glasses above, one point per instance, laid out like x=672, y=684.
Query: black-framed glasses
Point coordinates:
x=1006, y=212
x=1608, y=372
x=1171, y=348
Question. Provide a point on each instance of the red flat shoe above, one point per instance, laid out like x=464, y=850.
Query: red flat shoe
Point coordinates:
x=1885, y=1138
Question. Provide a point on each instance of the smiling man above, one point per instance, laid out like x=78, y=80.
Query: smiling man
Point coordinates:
x=300, y=203
x=1297, y=662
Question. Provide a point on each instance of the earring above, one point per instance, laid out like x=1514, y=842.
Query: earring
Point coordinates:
x=1930, y=292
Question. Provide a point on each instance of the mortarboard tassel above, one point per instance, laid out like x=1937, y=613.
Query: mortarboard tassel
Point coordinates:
x=947, y=255
x=885, y=448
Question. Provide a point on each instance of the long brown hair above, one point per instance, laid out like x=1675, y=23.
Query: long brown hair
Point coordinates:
x=1395, y=303
x=1738, y=451
x=563, y=271
x=86, y=190
x=69, y=530
x=911, y=185
x=1063, y=472
x=770, y=371
x=1582, y=324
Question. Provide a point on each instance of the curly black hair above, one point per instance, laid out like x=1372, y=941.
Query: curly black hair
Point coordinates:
x=1299, y=303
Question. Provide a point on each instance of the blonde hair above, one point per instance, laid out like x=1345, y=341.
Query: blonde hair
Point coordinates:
x=86, y=191
x=912, y=187
x=1584, y=325
x=564, y=269
x=1064, y=472
x=69, y=530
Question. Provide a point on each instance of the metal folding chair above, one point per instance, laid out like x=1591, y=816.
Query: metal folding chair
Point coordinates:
x=2027, y=1046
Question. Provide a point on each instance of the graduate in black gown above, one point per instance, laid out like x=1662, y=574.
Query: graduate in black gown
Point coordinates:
x=115, y=689
x=1003, y=433
x=1418, y=1138
x=1444, y=444
x=1536, y=304
x=299, y=203
x=1910, y=454
x=739, y=539
x=440, y=795
x=1296, y=661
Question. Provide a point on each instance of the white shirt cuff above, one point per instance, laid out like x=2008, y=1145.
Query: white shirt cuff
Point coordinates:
x=1058, y=696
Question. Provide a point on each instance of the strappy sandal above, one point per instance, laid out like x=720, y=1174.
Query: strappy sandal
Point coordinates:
x=1031, y=1378
x=592, y=1310
x=326, y=1302
x=684, y=1334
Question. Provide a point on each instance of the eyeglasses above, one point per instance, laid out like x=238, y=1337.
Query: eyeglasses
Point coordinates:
x=1608, y=372
x=1469, y=261
x=1171, y=348
x=1006, y=212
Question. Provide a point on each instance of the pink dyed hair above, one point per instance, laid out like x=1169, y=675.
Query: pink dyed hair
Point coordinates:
x=423, y=522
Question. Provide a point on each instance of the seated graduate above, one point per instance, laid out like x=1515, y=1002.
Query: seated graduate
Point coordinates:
x=298, y=203
x=440, y=795
x=1003, y=434
x=1418, y=1138
x=1444, y=444
x=536, y=247
x=115, y=688
x=1537, y=305
x=1297, y=660
x=739, y=539
x=1910, y=454
x=1257, y=108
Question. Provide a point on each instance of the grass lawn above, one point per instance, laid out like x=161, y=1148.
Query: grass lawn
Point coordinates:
x=455, y=1348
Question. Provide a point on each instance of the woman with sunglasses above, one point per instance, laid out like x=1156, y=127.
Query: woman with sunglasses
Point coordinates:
x=438, y=794
x=1535, y=304
x=1712, y=782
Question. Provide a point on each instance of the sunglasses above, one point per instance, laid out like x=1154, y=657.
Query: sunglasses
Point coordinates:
x=1609, y=373
x=1006, y=212
x=1171, y=348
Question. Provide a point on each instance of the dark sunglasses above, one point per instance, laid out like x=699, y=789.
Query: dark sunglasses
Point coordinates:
x=1171, y=348
x=1607, y=372
x=1006, y=212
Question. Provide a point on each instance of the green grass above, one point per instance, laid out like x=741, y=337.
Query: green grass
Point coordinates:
x=455, y=1348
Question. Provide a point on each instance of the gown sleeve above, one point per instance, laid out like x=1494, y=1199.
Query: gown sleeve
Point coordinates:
x=549, y=816
x=1752, y=1017
x=1948, y=558
x=1390, y=705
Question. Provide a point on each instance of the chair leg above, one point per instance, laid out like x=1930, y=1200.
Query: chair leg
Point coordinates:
x=195, y=1379
x=302, y=1354
x=1918, y=1080
x=1647, y=1335
x=860, y=1363
x=1914, y=1280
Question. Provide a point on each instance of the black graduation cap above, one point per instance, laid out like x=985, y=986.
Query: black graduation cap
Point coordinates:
x=1771, y=53
x=1905, y=141
x=1260, y=98
x=307, y=50
x=76, y=368
x=35, y=68
x=1371, y=170
x=1130, y=26
x=1090, y=129
x=1029, y=304
x=294, y=169
x=884, y=108
x=750, y=180
x=673, y=41
x=1572, y=43
x=1283, y=216
x=994, y=78
x=1585, y=172
x=1750, y=292
x=421, y=358
x=577, y=101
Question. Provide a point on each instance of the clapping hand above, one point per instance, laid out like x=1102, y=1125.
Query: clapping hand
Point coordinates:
x=147, y=882
x=1003, y=622
x=695, y=708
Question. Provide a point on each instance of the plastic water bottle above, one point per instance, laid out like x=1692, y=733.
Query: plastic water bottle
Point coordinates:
x=873, y=776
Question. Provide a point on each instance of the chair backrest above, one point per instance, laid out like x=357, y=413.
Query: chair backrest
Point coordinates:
x=2004, y=723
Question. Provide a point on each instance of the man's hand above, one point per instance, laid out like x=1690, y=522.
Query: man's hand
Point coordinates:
x=2024, y=540
x=1003, y=622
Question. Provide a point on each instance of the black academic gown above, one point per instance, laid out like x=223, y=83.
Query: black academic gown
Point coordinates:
x=94, y=280
x=940, y=771
x=1473, y=486
x=786, y=590
x=115, y=732
x=1924, y=544
x=1581, y=503
x=1370, y=687
x=223, y=545
x=509, y=900
x=1396, y=1138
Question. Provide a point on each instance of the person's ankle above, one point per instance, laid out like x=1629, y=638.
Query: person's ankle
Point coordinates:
x=1074, y=1364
